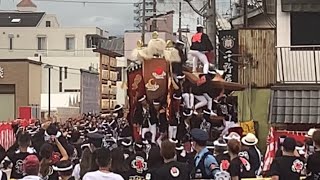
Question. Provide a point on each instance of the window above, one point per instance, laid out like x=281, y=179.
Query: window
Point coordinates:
x=48, y=23
x=60, y=86
x=10, y=43
x=42, y=43
x=65, y=72
x=70, y=43
x=72, y=90
x=92, y=41
x=60, y=74
x=300, y=35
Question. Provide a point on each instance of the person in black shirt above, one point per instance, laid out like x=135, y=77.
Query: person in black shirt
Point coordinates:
x=221, y=153
x=251, y=152
x=288, y=166
x=17, y=156
x=171, y=169
x=3, y=175
x=145, y=118
x=200, y=44
x=137, y=162
x=64, y=169
x=239, y=167
x=280, y=142
x=313, y=161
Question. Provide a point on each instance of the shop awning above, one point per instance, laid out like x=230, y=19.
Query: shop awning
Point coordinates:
x=295, y=104
x=300, y=5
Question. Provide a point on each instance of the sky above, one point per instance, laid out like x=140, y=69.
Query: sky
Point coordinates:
x=115, y=18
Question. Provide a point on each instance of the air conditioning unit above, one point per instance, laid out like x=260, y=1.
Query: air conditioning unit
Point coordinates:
x=137, y=24
x=136, y=11
x=136, y=18
x=136, y=4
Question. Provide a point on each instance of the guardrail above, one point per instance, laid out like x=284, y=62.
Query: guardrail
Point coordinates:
x=298, y=64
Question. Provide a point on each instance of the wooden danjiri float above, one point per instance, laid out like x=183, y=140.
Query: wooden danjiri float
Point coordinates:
x=156, y=74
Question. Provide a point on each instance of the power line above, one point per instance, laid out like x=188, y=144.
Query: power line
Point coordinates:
x=95, y=2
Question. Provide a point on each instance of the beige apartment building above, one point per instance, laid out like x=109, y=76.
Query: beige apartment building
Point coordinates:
x=20, y=85
x=27, y=33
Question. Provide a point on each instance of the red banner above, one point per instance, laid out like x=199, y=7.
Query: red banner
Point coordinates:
x=272, y=144
x=7, y=137
x=136, y=89
x=25, y=112
x=155, y=74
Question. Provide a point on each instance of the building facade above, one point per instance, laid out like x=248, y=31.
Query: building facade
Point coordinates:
x=295, y=100
x=38, y=36
x=20, y=85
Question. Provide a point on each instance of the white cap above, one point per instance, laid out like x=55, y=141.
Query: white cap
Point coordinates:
x=200, y=25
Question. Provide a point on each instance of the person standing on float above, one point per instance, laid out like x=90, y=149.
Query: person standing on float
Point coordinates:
x=201, y=44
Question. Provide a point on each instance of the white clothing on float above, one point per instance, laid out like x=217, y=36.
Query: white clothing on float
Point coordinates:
x=204, y=99
x=172, y=132
x=152, y=129
x=197, y=55
x=188, y=99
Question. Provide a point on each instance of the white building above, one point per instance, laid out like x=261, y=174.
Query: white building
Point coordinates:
x=298, y=41
x=28, y=33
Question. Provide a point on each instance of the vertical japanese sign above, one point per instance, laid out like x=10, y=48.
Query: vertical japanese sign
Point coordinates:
x=228, y=50
x=90, y=92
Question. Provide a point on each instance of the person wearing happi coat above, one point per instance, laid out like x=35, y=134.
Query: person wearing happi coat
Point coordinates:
x=123, y=127
x=175, y=116
x=200, y=45
x=201, y=91
x=160, y=108
x=145, y=118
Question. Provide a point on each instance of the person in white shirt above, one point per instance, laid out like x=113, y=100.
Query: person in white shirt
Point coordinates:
x=31, y=167
x=103, y=160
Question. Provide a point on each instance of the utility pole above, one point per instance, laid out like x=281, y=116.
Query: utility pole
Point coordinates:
x=143, y=21
x=180, y=31
x=154, y=21
x=211, y=23
x=49, y=67
x=245, y=13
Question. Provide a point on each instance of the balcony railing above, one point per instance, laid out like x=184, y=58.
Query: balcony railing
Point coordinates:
x=298, y=64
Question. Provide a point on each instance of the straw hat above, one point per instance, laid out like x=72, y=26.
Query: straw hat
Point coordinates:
x=310, y=132
x=249, y=140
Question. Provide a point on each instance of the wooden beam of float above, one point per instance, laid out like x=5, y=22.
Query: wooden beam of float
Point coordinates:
x=194, y=77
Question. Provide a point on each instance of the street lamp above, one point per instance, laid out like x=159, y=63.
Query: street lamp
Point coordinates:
x=49, y=67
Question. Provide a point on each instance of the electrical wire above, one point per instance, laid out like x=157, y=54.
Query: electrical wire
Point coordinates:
x=95, y=2
x=268, y=19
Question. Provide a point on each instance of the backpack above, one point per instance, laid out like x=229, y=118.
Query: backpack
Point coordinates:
x=222, y=175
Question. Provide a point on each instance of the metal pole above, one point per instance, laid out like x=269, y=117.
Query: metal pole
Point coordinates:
x=154, y=20
x=143, y=21
x=211, y=23
x=180, y=32
x=49, y=93
x=245, y=13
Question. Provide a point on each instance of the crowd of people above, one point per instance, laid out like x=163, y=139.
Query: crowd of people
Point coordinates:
x=98, y=148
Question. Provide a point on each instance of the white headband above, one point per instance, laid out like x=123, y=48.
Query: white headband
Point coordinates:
x=142, y=99
x=94, y=131
x=62, y=169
